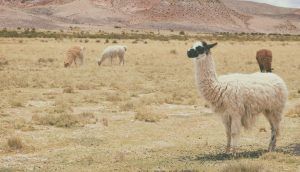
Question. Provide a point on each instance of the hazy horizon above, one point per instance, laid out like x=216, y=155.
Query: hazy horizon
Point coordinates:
x=280, y=3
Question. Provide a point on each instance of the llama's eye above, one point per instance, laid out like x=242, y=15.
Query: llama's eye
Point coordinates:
x=200, y=49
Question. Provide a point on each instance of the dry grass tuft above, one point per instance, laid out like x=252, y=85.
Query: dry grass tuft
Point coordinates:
x=65, y=120
x=83, y=87
x=46, y=60
x=243, y=167
x=148, y=115
x=15, y=103
x=21, y=124
x=173, y=52
x=87, y=118
x=15, y=143
x=61, y=106
x=294, y=112
x=68, y=90
x=58, y=120
x=128, y=106
x=114, y=97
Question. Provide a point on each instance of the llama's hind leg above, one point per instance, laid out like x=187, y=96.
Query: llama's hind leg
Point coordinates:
x=274, y=119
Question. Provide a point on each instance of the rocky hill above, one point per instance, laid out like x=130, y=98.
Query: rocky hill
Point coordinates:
x=196, y=15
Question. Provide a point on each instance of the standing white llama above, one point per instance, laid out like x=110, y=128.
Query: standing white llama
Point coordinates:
x=239, y=98
x=113, y=52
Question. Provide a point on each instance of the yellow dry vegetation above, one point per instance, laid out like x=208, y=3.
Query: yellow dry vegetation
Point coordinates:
x=146, y=115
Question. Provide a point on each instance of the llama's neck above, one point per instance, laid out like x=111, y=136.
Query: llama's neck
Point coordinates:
x=206, y=79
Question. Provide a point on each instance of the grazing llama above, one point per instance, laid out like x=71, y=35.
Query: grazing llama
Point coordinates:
x=113, y=52
x=264, y=60
x=73, y=54
x=239, y=98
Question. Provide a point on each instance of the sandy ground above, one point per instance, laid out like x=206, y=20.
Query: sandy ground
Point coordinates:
x=84, y=118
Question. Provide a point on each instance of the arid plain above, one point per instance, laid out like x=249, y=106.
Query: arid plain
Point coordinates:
x=146, y=115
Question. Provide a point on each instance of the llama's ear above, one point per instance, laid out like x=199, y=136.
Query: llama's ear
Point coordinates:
x=209, y=46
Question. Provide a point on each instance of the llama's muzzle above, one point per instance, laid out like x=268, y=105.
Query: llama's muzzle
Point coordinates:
x=192, y=53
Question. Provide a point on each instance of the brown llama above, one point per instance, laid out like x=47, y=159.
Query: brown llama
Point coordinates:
x=264, y=60
x=73, y=54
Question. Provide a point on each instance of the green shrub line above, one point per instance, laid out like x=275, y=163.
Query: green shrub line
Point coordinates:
x=221, y=36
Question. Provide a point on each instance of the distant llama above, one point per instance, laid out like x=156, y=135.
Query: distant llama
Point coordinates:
x=111, y=52
x=264, y=60
x=239, y=98
x=74, y=54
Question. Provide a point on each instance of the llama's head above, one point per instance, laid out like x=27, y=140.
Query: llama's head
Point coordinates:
x=66, y=64
x=125, y=48
x=200, y=49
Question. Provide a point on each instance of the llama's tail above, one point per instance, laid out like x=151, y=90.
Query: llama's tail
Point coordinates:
x=248, y=120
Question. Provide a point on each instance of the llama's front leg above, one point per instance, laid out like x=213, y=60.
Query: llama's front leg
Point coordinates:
x=121, y=59
x=75, y=62
x=81, y=61
x=100, y=62
x=235, y=132
x=227, y=124
x=228, y=135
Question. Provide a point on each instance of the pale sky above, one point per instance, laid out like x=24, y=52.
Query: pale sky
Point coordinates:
x=281, y=3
